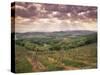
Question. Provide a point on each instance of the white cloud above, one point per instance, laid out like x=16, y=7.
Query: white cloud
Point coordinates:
x=20, y=7
x=53, y=24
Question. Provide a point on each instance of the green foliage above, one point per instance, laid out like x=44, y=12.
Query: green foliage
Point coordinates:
x=73, y=63
x=57, y=44
x=22, y=65
x=55, y=53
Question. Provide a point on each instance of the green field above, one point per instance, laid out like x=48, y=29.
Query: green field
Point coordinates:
x=52, y=53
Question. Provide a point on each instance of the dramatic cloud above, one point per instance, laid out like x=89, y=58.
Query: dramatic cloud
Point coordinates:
x=53, y=17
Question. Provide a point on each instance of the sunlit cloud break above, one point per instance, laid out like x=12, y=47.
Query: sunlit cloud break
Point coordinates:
x=40, y=17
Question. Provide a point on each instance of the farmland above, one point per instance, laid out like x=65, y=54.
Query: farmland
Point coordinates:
x=41, y=51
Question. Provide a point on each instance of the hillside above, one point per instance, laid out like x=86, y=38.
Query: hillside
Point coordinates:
x=54, y=51
x=53, y=34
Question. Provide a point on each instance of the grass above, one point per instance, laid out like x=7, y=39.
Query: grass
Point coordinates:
x=81, y=55
x=86, y=53
x=22, y=65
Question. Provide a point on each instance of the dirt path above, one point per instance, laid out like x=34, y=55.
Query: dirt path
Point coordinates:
x=36, y=65
x=62, y=64
x=70, y=68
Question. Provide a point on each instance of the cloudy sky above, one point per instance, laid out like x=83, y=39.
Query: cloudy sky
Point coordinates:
x=35, y=17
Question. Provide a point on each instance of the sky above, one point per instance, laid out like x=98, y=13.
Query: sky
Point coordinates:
x=43, y=17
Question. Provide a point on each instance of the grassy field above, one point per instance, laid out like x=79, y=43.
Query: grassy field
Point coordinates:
x=56, y=53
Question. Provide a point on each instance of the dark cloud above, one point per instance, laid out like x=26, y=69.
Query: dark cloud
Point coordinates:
x=29, y=10
x=23, y=10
